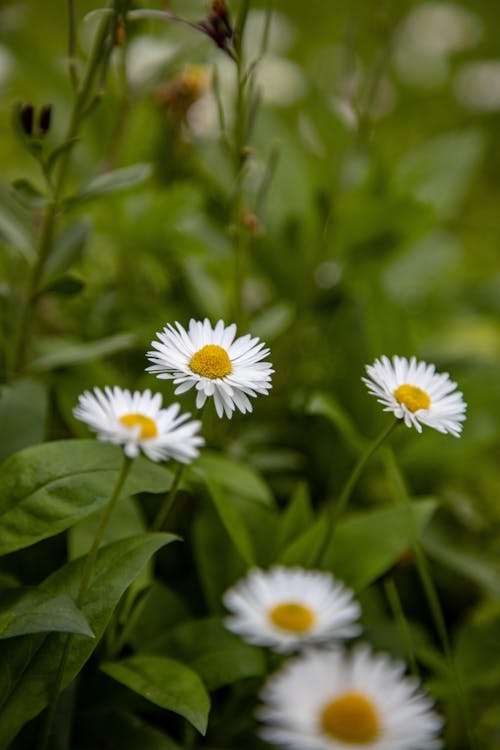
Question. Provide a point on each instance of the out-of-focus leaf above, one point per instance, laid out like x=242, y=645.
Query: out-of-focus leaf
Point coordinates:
x=305, y=549
x=65, y=286
x=234, y=476
x=27, y=194
x=233, y=520
x=30, y=663
x=123, y=730
x=326, y=406
x=24, y=611
x=63, y=352
x=47, y=488
x=439, y=171
x=218, y=656
x=159, y=609
x=67, y=250
x=273, y=321
x=165, y=682
x=23, y=416
x=365, y=547
x=15, y=227
x=297, y=516
x=112, y=182
x=56, y=154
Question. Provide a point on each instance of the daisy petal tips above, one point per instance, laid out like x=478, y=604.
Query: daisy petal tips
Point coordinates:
x=334, y=700
x=138, y=422
x=214, y=362
x=417, y=394
x=289, y=608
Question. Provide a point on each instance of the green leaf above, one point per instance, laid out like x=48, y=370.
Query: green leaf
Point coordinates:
x=23, y=416
x=218, y=656
x=24, y=611
x=58, y=152
x=234, y=476
x=30, y=663
x=365, y=547
x=116, y=728
x=64, y=286
x=14, y=226
x=112, y=182
x=62, y=352
x=159, y=609
x=27, y=194
x=305, y=549
x=325, y=405
x=47, y=488
x=232, y=520
x=67, y=250
x=167, y=683
x=297, y=516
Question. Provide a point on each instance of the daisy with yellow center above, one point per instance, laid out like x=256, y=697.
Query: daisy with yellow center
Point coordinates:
x=417, y=394
x=212, y=360
x=138, y=422
x=288, y=608
x=335, y=700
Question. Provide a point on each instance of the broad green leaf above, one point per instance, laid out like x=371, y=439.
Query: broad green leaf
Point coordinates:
x=112, y=182
x=234, y=476
x=24, y=611
x=297, y=516
x=233, y=521
x=305, y=549
x=23, y=416
x=30, y=663
x=15, y=226
x=47, y=488
x=326, y=406
x=218, y=656
x=67, y=250
x=61, y=352
x=365, y=547
x=165, y=682
x=159, y=609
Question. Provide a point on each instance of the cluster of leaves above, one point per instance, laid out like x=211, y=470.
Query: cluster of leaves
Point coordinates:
x=335, y=244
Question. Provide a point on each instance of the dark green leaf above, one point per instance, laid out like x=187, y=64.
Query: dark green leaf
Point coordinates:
x=234, y=476
x=297, y=517
x=365, y=547
x=64, y=352
x=47, y=488
x=167, y=683
x=67, y=250
x=27, y=194
x=65, y=286
x=326, y=406
x=112, y=182
x=233, y=521
x=30, y=663
x=305, y=549
x=23, y=415
x=24, y=611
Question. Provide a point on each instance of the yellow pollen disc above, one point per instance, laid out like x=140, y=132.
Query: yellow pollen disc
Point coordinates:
x=412, y=397
x=148, y=428
x=211, y=361
x=351, y=719
x=292, y=616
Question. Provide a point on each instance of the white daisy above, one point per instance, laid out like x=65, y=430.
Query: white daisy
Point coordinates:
x=415, y=392
x=214, y=362
x=287, y=608
x=137, y=421
x=335, y=700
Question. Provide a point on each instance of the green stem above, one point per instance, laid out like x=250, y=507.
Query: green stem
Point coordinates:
x=87, y=571
x=169, y=500
x=47, y=230
x=335, y=510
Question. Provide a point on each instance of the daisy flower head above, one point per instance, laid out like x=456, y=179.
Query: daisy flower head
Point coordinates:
x=416, y=393
x=336, y=700
x=214, y=362
x=289, y=608
x=138, y=422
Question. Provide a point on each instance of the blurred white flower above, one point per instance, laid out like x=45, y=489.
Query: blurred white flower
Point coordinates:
x=477, y=85
x=289, y=608
x=137, y=421
x=416, y=393
x=336, y=700
x=214, y=362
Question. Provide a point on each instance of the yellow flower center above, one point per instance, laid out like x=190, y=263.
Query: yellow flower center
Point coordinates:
x=412, y=397
x=211, y=361
x=292, y=616
x=351, y=718
x=148, y=428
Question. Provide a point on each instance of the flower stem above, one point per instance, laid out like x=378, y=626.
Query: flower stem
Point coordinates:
x=394, y=600
x=87, y=571
x=169, y=500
